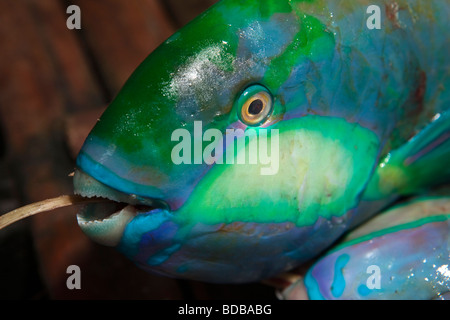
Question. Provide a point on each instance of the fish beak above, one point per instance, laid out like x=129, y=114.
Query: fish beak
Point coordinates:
x=87, y=186
x=108, y=230
x=105, y=222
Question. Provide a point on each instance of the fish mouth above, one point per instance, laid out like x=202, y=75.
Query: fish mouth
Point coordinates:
x=105, y=221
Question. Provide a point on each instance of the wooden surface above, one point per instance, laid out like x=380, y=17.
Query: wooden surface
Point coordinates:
x=54, y=83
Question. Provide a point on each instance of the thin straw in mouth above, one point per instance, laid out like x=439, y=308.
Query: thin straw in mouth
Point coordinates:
x=45, y=205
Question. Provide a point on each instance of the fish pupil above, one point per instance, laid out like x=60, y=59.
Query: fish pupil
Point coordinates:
x=255, y=107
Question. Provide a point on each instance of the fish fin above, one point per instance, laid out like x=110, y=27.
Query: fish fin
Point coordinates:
x=413, y=235
x=423, y=162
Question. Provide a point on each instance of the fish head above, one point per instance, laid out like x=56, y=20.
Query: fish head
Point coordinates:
x=218, y=170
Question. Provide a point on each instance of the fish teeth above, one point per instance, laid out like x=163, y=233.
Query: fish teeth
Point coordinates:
x=87, y=186
x=107, y=231
x=89, y=215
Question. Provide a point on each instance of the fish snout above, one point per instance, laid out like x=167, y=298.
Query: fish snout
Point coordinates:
x=105, y=222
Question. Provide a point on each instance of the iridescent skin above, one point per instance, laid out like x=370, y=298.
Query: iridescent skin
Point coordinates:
x=344, y=96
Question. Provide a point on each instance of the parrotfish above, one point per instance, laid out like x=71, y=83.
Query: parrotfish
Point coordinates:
x=258, y=135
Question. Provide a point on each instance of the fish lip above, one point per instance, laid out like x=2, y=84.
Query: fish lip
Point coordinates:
x=105, y=222
x=107, y=230
x=87, y=186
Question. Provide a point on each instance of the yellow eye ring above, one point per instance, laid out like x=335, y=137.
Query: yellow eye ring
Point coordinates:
x=256, y=106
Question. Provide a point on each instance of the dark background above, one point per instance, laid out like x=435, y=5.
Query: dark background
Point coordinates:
x=54, y=84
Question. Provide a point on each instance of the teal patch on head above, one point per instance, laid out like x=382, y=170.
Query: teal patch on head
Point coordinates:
x=313, y=42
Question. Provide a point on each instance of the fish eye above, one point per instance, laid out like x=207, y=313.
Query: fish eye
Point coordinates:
x=255, y=105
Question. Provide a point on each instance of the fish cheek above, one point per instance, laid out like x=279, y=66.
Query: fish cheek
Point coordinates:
x=320, y=167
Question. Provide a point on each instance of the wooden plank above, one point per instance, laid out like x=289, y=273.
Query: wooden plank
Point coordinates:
x=30, y=107
x=24, y=66
x=186, y=10
x=120, y=34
